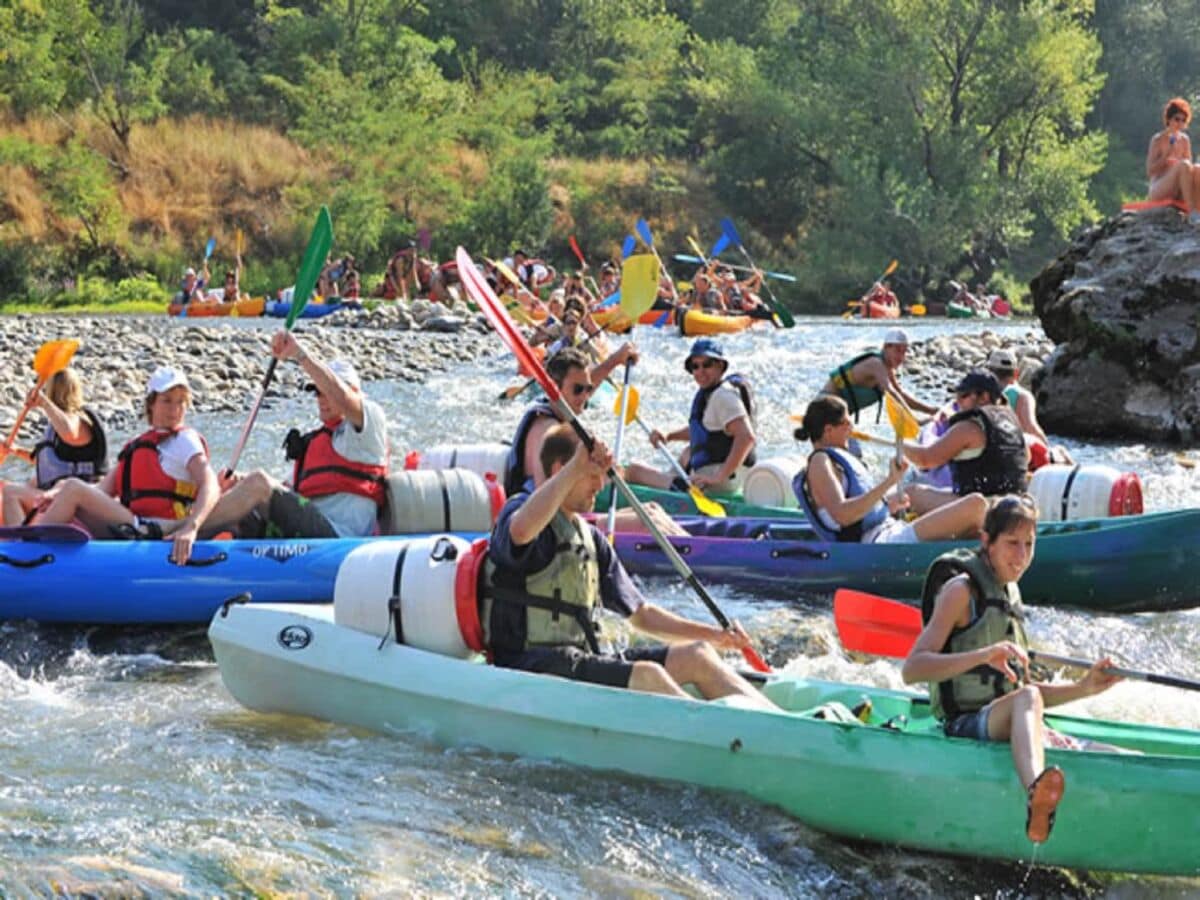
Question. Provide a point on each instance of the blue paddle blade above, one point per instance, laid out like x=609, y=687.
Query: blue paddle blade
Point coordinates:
x=210, y=247
x=610, y=300
x=719, y=245
x=643, y=229
x=730, y=231
x=662, y=320
x=628, y=246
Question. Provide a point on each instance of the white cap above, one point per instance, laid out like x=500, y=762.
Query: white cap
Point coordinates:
x=1002, y=361
x=896, y=336
x=164, y=379
x=188, y=271
x=344, y=369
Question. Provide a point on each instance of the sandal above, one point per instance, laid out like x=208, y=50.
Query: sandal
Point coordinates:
x=143, y=531
x=1043, y=799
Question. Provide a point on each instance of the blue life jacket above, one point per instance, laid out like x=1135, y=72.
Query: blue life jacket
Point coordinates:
x=854, y=483
x=712, y=447
x=514, y=481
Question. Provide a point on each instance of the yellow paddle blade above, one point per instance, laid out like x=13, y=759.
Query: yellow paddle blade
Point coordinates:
x=706, y=506
x=54, y=356
x=508, y=273
x=237, y=241
x=696, y=247
x=639, y=284
x=631, y=410
x=903, y=421
x=917, y=309
x=890, y=269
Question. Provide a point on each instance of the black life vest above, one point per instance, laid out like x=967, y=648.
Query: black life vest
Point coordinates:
x=55, y=459
x=516, y=476
x=1002, y=467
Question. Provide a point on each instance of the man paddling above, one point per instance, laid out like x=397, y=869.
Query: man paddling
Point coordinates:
x=974, y=654
x=863, y=380
x=340, y=469
x=549, y=572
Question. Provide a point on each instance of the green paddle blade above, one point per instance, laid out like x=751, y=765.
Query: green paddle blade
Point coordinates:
x=310, y=267
x=639, y=284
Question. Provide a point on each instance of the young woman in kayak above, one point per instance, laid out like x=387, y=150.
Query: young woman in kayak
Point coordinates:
x=161, y=486
x=834, y=489
x=974, y=654
x=73, y=443
x=1169, y=160
x=549, y=572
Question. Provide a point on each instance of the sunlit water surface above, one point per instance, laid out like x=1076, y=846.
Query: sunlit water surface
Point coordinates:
x=126, y=768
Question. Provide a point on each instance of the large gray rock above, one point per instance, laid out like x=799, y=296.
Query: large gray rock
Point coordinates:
x=1122, y=304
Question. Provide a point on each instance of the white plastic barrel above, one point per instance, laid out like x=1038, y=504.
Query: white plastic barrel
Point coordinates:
x=480, y=458
x=1085, y=492
x=441, y=500
x=421, y=574
x=769, y=482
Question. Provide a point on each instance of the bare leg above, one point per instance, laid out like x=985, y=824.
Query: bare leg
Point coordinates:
x=248, y=494
x=924, y=498
x=640, y=473
x=652, y=678
x=963, y=518
x=627, y=520
x=1017, y=717
x=76, y=499
x=697, y=663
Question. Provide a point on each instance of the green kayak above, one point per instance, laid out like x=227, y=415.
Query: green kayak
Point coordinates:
x=678, y=503
x=895, y=779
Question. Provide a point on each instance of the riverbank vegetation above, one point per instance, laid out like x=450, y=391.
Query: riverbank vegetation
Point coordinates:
x=966, y=138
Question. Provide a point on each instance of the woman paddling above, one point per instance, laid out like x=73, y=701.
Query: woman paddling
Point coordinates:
x=973, y=652
x=1169, y=160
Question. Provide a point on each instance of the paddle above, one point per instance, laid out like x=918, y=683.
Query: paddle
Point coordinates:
x=730, y=231
x=708, y=263
x=503, y=323
x=868, y=623
x=209, y=248
x=904, y=423
x=52, y=534
x=583, y=264
x=699, y=258
x=627, y=246
x=622, y=409
x=643, y=230
x=306, y=279
x=639, y=285
x=511, y=277
x=517, y=389
x=52, y=357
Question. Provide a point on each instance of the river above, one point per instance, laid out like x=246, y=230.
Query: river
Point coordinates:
x=127, y=769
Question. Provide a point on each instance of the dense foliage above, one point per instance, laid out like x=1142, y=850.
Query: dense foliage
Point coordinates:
x=965, y=137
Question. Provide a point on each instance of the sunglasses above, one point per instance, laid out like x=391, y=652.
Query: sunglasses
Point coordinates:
x=702, y=364
x=1179, y=119
x=581, y=389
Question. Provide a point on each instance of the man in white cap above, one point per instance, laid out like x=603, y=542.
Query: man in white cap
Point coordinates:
x=863, y=380
x=1003, y=364
x=192, y=288
x=339, y=471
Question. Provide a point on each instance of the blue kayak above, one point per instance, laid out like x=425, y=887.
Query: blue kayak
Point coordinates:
x=1125, y=564
x=56, y=574
x=279, y=309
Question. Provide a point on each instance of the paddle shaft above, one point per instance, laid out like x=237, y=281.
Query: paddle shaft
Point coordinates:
x=612, y=499
x=778, y=276
x=245, y=435
x=1186, y=684
x=532, y=381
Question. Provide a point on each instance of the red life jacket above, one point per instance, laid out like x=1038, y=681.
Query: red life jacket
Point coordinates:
x=320, y=470
x=145, y=489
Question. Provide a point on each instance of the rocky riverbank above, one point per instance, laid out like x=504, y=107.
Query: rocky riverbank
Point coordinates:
x=934, y=367
x=225, y=359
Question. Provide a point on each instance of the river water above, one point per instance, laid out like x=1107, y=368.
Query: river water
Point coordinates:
x=127, y=769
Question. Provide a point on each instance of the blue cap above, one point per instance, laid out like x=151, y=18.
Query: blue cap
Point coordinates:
x=706, y=346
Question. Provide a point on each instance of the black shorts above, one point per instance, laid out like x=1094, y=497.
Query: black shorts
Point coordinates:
x=611, y=669
x=286, y=515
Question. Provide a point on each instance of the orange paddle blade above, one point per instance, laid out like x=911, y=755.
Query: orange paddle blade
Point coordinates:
x=54, y=356
x=868, y=623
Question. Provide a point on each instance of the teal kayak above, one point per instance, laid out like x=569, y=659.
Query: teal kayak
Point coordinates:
x=677, y=503
x=894, y=780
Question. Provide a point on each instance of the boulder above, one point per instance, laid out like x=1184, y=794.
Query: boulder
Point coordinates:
x=1122, y=303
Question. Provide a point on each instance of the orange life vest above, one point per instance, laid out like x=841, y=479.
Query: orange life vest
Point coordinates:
x=320, y=470
x=145, y=489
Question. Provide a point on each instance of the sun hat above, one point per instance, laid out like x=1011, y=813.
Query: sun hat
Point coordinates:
x=165, y=378
x=1002, y=361
x=345, y=371
x=708, y=347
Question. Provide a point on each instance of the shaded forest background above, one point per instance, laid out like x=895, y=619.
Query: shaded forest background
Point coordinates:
x=967, y=139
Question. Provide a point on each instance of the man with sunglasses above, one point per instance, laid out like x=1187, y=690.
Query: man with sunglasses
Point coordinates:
x=720, y=429
x=339, y=476
x=984, y=446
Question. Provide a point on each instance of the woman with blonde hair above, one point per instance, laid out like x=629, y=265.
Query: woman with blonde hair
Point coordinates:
x=73, y=444
x=1169, y=160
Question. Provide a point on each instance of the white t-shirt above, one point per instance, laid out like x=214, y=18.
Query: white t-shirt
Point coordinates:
x=350, y=514
x=176, y=452
x=724, y=405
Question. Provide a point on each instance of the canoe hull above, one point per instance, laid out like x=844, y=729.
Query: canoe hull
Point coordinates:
x=678, y=503
x=694, y=322
x=1119, y=565
x=912, y=787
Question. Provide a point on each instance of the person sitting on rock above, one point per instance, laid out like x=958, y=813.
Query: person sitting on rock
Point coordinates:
x=984, y=446
x=162, y=485
x=1169, y=160
x=834, y=490
x=1003, y=364
x=339, y=475
x=549, y=572
x=863, y=380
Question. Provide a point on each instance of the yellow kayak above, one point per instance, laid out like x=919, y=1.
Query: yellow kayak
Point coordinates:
x=694, y=322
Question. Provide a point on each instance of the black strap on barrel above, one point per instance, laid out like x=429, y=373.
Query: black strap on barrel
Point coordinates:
x=1067, y=492
x=441, y=474
x=394, y=604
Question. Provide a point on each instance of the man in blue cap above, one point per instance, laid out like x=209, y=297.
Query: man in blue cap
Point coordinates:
x=720, y=429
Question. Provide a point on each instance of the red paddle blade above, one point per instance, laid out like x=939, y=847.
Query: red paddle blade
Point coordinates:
x=867, y=623
x=481, y=292
x=575, y=249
